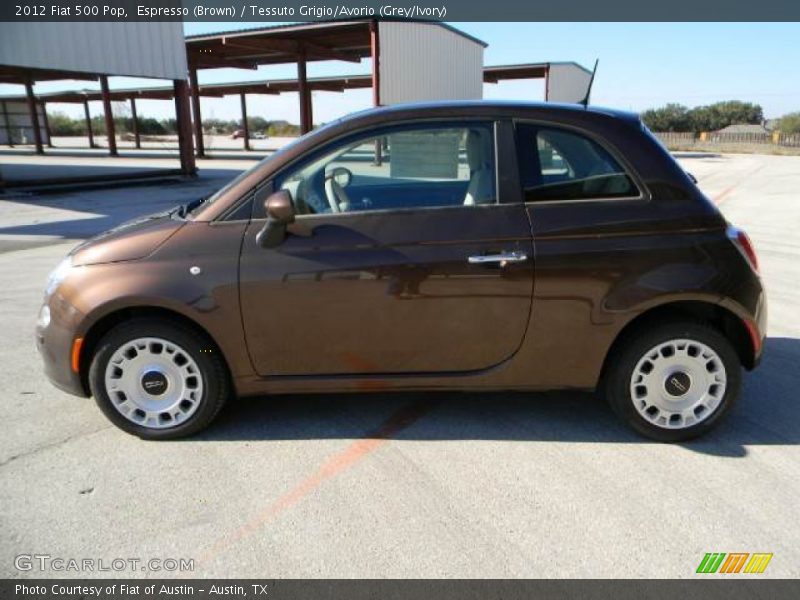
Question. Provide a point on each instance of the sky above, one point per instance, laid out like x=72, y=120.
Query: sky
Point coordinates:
x=642, y=65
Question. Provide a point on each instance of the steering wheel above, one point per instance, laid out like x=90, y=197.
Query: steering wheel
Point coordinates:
x=335, y=182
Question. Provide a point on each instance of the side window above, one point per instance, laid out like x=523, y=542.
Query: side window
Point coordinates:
x=409, y=167
x=556, y=164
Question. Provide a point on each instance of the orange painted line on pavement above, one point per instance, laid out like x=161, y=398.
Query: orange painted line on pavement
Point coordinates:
x=724, y=193
x=335, y=465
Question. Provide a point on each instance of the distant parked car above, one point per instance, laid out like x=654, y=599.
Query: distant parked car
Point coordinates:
x=472, y=246
x=239, y=133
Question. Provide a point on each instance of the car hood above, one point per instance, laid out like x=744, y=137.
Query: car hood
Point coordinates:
x=130, y=241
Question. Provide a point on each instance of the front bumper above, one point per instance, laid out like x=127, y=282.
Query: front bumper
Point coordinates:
x=54, y=342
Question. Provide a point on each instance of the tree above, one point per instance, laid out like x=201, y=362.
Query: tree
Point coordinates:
x=257, y=124
x=789, y=124
x=721, y=114
x=282, y=129
x=62, y=125
x=672, y=117
x=676, y=117
x=170, y=125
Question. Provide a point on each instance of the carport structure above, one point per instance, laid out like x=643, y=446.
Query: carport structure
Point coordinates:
x=28, y=77
x=216, y=90
x=303, y=87
x=409, y=61
x=106, y=96
x=32, y=52
x=491, y=74
x=349, y=41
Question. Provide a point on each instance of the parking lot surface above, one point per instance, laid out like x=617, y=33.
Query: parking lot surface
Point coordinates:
x=410, y=485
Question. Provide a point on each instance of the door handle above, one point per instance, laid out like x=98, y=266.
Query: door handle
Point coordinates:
x=503, y=257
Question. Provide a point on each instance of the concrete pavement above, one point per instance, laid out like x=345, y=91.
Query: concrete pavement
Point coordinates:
x=411, y=485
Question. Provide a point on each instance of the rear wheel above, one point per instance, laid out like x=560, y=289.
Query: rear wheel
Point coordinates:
x=156, y=380
x=674, y=381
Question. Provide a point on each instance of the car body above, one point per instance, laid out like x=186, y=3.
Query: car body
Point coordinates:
x=463, y=245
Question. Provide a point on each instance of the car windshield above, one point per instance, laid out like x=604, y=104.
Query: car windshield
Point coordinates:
x=235, y=181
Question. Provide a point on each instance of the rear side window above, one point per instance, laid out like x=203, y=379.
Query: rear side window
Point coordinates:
x=556, y=164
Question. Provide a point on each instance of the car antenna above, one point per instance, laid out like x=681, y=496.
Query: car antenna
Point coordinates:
x=585, y=100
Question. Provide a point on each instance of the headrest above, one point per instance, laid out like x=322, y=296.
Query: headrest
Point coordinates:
x=477, y=150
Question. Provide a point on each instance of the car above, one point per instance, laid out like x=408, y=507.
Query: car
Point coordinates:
x=259, y=136
x=467, y=246
x=239, y=133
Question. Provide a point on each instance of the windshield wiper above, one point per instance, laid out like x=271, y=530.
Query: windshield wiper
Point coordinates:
x=183, y=209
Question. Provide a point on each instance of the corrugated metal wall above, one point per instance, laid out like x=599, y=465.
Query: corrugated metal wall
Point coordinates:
x=567, y=82
x=20, y=128
x=420, y=61
x=135, y=49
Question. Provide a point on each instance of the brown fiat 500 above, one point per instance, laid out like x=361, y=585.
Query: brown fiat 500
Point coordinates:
x=471, y=246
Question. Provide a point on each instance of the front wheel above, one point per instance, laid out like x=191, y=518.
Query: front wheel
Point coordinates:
x=674, y=381
x=157, y=380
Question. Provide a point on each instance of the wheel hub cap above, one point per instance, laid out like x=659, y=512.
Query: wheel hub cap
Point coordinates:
x=154, y=382
x=678, y=383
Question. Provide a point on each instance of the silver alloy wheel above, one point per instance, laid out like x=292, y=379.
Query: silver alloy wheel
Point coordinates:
x=153, y=382
x=678, y=383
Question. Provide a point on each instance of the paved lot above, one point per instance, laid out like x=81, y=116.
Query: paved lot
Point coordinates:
x=401, y=486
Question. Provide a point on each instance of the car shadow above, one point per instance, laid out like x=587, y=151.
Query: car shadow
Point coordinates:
x=767, y=414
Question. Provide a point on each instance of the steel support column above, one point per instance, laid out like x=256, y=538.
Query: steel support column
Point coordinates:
x=135, y=121
x=306, y=117
x=547, y=84
x=88, y=123
x=47, y=125
x=37, y=134
x=8, y=125
x=109, y=115
x=197, y=118
x=245, y=127
x=183, y=118
x=375, y=53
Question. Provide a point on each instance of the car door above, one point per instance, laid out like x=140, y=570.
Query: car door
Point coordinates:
x=409, y=253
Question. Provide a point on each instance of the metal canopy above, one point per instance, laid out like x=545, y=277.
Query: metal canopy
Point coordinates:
x=492, y=74
x=271, y=87
x=23, y=75
x=247, y=49
x=526, y=71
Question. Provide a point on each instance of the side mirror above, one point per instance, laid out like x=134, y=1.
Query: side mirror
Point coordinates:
x=280, y=212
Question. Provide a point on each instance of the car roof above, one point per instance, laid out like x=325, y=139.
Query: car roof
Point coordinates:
x=484, y=107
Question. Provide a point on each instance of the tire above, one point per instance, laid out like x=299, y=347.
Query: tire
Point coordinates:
x=660, y=403
x=187, y=377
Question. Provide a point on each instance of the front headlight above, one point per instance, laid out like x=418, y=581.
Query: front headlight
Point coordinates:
x=44, y=317
x=57, y=276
